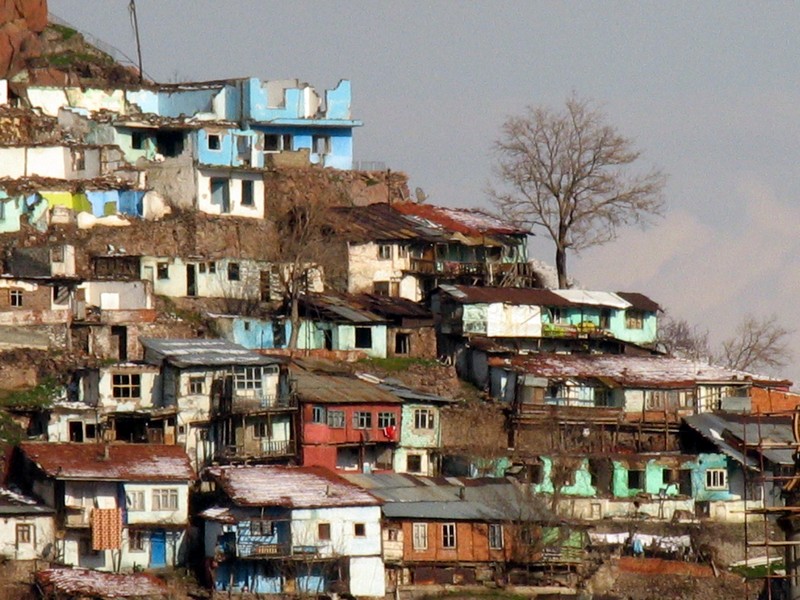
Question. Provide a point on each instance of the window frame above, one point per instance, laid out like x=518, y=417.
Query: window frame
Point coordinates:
x=362, y=419
x=197, y=385
x=424, y=418
x=384, y=252
x=449, y=540
x=135, y=501
x=363, y=337
x=25, y=533
x=15, y=298
x=162, y=270
x=386, y=419
x=319, y=415
x=634, y=318
x=336, y=419
x=165, y=499
x=495, y=535
x=217, y=145
x=249, y=198
x=129, y=383
x=419, y=536
x=137, y=540
x=324, y=532
x=248, y=378
x=234, y=271
x=717, y=479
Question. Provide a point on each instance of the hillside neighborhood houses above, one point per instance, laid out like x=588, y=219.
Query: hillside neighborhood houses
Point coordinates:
x=411, y=408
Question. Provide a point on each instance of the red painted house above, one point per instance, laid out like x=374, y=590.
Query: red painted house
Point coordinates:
x=347, y=424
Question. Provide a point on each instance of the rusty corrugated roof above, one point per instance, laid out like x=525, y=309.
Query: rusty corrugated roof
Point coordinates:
x=326, y=388
x=466, y=221
x=466, y=294
x=380, y=223
x=289, y=487
x=631, y=371
x=110, y=462
x=85, y=583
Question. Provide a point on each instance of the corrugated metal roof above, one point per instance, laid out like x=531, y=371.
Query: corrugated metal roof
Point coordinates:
x=338, y=308
x=640, y=301
x=460, y=220
x=716, y=427
x=393, y=307
x=466, y=294
x=13, y=502
x=323, y=388
x=110, y=462
x=590, y=298
x=380, y=223
x=202, y=352
x=412, y=497
x=86, y=583
x=289, y=487
x=631, y=371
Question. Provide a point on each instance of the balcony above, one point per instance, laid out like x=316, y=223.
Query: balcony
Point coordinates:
x=252, y=402
x=446, y=267
x=567, y=330
x=264, y=550
x=259, y=449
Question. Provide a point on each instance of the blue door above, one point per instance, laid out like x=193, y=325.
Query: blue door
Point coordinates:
x=158, y=549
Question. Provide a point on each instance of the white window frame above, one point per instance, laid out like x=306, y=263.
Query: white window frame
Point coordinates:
x=335, y=419
x=419, y=537
x=362, y=419
x=249, y=378
x=165, y=499
x=384, y=252
x=495, y=536
x=716, y=479
x=197, y=385
x=15, y=298
x=449, y=540
x=423, y=418
x=319, y=415
x=386, y=419
x=134, y=501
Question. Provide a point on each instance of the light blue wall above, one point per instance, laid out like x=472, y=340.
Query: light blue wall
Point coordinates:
x=227, y=155
x=703, y=464
x=645, y=335
x=14, y=207
x=110, y=202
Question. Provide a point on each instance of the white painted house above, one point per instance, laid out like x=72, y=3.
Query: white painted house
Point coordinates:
x=119, y=507
x=298, y=528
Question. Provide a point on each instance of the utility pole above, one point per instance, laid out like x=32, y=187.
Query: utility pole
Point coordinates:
x=135, y=22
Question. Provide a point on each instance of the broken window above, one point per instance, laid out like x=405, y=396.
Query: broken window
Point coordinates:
x=402, y=343
x=635, y=479
x=274, y=142
x=220, y=193
x=138, y=140
x=414, y=463
x=214, y=141
x=363, y=337
x=247, y=193
x=634, y=319
x=126, y=385
x=385, y=251
x=15, y=298
x=233, y=271
x=321, y=144
x=162, y=270
x=169, y=143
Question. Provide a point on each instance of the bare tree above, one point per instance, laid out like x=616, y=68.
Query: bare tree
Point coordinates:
x=758, y=344
x=569, y=173
x=679, y=338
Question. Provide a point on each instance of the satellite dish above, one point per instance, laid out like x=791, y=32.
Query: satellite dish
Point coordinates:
x=421, y=195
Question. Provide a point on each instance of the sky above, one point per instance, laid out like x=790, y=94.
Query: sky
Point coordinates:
x=710, y=92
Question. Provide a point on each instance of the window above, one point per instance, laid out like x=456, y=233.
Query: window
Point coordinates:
x=201, y=267
x=212, y=267
x=363, y=337
x=248, y=199
x=15, y=298
x=137, y=140
x=260, y=430
x=414, y=463
x=248, y=378
x=635, y=479
x=213, y=141
x=336, y=419
x=57, y=254
x=386, y=419
x=165, y=499
x=402, y=343
x=495, y=536
x=137, y=540
x=24, y=533
x=220, y=193
x=259, y=527
x=634, y=319
x=423, y=418
x=233, y=271
x=126, y=385
x=716, y=479
x=393, y=535
x=134, y=500
x=402, y=251
x=318, y=414
x=448, y=535
x=162, y=270
x=324, y=531
x=91, y=431
x=274, y=142
x=362, y=420
x=385, y=251
x=197, y=385
x=78, y=160
x=359, y=530
x=420, y=536
x=322, y=144
x=380, y=288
